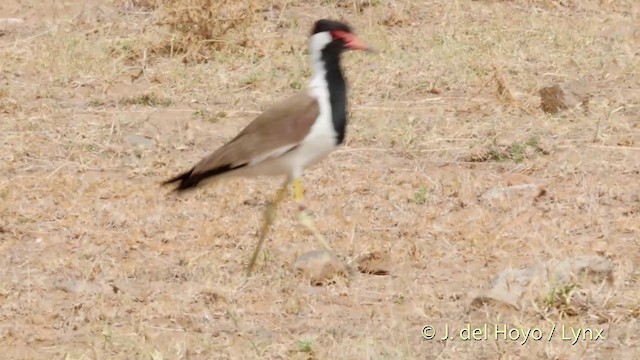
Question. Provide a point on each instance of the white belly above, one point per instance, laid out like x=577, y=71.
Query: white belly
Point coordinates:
x=311, y=151
x=293, y=163
x=319, y=143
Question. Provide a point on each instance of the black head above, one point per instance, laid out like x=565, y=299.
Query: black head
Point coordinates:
x=323, y=25
x=339, y=35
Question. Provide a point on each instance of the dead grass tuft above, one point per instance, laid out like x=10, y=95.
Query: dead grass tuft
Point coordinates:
x=517, y=151
x=194, y=30
x=145, y=100
x=144, y=5
x=199, y=28
x=504, y=91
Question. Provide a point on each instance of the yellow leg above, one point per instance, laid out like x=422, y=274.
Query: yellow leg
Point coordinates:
x=269, y=217
x=303, y=217
x=298, y=191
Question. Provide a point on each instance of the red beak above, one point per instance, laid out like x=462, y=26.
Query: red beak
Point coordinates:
x=351, y=41
x=356, y=44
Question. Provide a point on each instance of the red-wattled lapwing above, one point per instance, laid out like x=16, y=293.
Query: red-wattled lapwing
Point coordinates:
x=293, y=134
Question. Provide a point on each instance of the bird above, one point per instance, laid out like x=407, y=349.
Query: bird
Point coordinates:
x=290, y=136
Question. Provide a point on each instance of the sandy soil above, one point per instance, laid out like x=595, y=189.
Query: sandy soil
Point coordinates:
x=100, y=262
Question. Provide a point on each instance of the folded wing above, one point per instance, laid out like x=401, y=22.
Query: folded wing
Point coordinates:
x=272, y=134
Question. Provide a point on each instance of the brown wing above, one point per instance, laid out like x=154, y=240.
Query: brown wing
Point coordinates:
x=277, y=130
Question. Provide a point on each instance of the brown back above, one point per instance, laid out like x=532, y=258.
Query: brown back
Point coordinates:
x=283, y=125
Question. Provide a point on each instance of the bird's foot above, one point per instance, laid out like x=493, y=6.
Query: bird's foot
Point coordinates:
x=306, y=220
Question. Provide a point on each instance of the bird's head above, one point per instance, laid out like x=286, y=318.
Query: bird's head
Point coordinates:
x=335, y=36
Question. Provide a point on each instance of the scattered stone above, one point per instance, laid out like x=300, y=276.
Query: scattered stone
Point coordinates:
x=626, y=140
x=394, y=18
x=500, y=196
x=319, y=267
x=139, y=140
x=135, y=73
x=82, y=287
x=520, y=289
x=11, y=21
x=210, y=297
x=564, y=96
x=477, y=154
x=374, y=263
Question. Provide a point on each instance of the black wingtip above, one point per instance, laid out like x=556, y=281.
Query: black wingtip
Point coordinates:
x=186, y=181
x=189, y=180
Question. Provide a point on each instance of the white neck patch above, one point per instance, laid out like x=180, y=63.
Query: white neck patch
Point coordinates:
x=319, y=40
x=317, y=43
x=318, y=86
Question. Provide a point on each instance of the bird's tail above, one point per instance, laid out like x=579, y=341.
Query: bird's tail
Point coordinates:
x=185, y=179
x=189, y=179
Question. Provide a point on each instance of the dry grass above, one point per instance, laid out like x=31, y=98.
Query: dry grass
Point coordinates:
x=199, y=27
x=100, y=263
x=199, y=30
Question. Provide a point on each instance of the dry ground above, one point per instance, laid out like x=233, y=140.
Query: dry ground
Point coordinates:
x=100, y=263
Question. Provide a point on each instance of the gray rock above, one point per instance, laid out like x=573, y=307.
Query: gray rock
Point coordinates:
x=505, y=195
x=563, y=96
x=519, y=288
x=375, y=263
x=139, y=140
x=319, y=267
